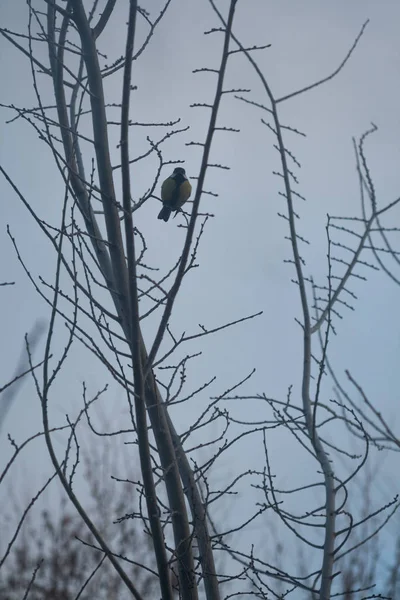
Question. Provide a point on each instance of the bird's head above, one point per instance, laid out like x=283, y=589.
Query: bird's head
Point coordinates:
x=179, y=171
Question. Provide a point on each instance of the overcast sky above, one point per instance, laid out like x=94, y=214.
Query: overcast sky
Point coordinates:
x=242, y=269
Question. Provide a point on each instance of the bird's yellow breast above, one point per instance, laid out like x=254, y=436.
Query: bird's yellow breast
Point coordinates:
x=184, y=192
x=173, y=194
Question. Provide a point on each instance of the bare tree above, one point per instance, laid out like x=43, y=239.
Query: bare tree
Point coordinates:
x=56, y=557
x=109, y=294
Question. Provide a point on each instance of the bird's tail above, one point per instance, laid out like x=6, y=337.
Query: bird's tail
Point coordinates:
x=165, y=213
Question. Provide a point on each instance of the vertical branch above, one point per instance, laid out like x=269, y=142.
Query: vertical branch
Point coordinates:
x=179, y=517
x=56, y=63
x=76, y=177
x=101, y=144
x=134, y=326
x=199, y=516
x=198, y=511
x=321, y=455
x=158, y=414
x=199, y=189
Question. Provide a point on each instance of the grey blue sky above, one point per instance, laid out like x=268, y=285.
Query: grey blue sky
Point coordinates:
x=242, y=269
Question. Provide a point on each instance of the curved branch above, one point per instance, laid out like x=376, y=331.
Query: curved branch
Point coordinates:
x=102, y=22
x=135, y=338
x=332, y=75
x=320, y=454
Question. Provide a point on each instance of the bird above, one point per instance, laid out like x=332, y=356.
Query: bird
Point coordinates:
x=175, y=190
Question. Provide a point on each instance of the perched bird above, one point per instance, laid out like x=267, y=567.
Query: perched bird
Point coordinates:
x=175, y=190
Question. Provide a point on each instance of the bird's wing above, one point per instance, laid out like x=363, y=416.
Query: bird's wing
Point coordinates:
x=167, y=191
